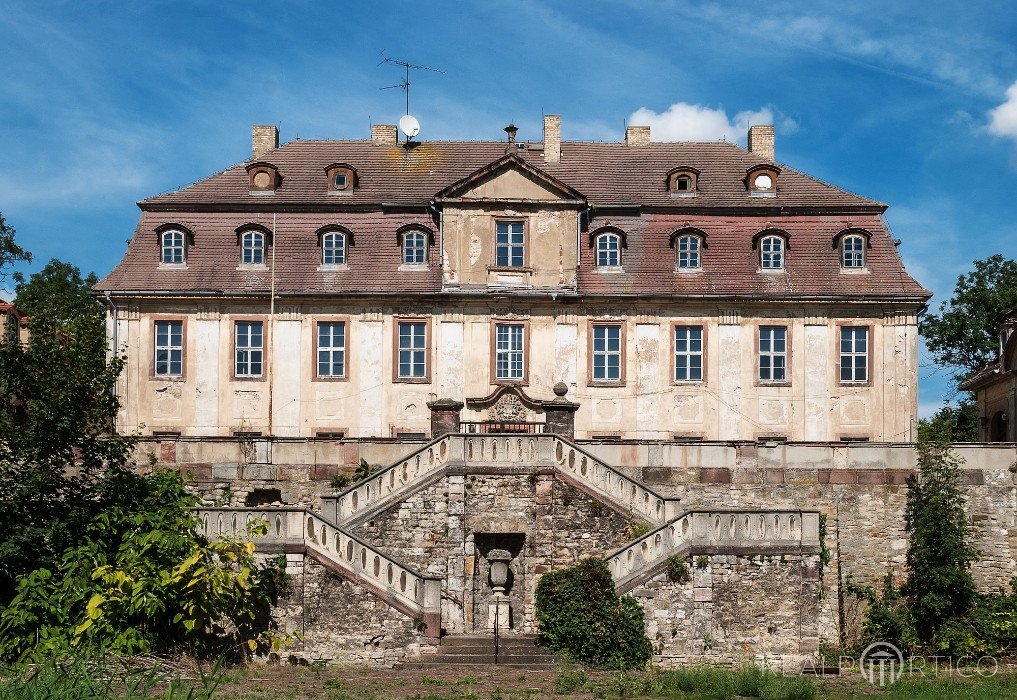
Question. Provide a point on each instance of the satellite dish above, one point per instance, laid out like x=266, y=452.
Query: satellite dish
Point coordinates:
x=409, y=126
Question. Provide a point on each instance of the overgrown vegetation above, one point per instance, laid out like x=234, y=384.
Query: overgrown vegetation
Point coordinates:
x=938, y=608
x=580, y=616
x=677, y=570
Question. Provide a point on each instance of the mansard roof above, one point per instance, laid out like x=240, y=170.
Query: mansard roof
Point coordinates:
x=605, y=173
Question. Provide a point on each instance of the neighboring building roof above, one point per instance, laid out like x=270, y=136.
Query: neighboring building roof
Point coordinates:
x=625, y=185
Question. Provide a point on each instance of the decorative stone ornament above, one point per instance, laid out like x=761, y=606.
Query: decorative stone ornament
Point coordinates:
x=499, y=560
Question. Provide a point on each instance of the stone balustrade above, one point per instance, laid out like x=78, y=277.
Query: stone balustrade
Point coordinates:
x=408, y=591
x=714, y=532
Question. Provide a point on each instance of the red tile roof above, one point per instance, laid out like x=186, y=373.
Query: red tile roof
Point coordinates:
x=624, y=185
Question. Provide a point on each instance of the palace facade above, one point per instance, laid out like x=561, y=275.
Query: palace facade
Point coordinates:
x=669, y=291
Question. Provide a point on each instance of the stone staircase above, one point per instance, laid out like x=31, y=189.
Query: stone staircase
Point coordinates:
x=514, y=651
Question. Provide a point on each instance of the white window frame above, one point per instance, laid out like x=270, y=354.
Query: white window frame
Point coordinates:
x=252, y=245
x=514, y=243
x=174, y=244
x=510, y=351
x=852, y=255
x=608, y=247
x=168, y=342
x=246, y=353
x=772, y=253
x=603, y=350
x=414, y=246
x=332, y=352
x=688, y=252
x=412, y=350
x=687, y=358
x=773, y=363
x=330, y=248
x=854, y=354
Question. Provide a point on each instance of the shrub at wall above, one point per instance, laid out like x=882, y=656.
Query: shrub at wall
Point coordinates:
x=580, y=615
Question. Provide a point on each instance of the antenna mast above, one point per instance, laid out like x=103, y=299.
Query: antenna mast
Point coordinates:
x=405, y=84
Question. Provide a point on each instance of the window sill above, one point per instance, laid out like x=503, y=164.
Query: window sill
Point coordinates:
x=763, y=382
x=172, y=266
x=772, y=271
x=855, y=385
x=259, y=378
x=609, y=269
x=498, y=268
x=516, y=382
x=261, y=193
x=763, y=195
x=855, y=271
x=689, y=382
x=341, y=193
x=605, y=384
x=262, y=267
x=688, y=270
x=316, y=378
x=167, y=378
x=414, y=267
x=333, y=268
x=412, y=380
x=683, y=195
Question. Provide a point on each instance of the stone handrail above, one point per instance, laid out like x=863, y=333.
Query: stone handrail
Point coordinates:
x=415, y=594
x=714, y=532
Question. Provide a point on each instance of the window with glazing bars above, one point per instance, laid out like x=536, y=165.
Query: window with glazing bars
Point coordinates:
x=333, y=248
x=771, y=256
x=508, y=352
x=169, y=348
x=854, y=354
x=172, y=247
x=249, y=347
x=608, y=250
x=688, y=353
x=253, y=248
x=607, y=353
x=412, y=349
x=773, y=354
x=688, y=252
x=510, y=249
x=332, y=349
x=414, y=248
x=853, y=251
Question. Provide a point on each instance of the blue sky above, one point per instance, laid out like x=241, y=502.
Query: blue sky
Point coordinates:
x=912, y=103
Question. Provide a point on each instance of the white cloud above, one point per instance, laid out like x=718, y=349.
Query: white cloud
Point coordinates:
x=690, y=122
x=1003, y=119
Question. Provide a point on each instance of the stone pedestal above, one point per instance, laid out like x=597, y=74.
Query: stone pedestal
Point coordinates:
x=560, y=413
x=444, y=416
x=499, y=612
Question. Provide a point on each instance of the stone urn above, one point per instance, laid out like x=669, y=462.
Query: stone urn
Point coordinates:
x=499, y=560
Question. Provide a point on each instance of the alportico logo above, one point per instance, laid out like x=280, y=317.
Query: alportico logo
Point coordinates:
x=881, y=663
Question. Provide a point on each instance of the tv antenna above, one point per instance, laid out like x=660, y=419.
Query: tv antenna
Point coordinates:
x=405, y=84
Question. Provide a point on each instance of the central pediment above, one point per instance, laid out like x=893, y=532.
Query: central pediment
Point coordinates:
x=510, y=178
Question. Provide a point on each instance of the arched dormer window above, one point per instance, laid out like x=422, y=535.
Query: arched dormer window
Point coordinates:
x=773, y=245
x=852, y=244
x=263, y=178
x=608, y=246
x=761, y=180
x=335, y=242
x=683, y=182
x=252, y=245
x=342, y=178
x=688, y=244
x=414, y=247
x=173, y=242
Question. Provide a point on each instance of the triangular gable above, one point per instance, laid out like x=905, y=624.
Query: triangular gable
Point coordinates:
x=529, y=183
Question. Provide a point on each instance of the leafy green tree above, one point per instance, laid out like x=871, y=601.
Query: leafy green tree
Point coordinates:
x=59, y=292
x=579, y=614
x=951, y=423
x=939, y=586
x=10, y=251
x=964, y=335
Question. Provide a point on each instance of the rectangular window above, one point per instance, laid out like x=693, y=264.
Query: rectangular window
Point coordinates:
x=249, y=345
x=508, y=352
x=510, y=247
x=854, y=354
x=331, y=349
x=606, y=353
x=412, y=355
x=688, y=353
x=773, y=354
x=169, y=348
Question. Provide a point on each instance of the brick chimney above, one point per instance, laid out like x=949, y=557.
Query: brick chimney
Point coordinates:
x=761, y=140
x=637, y=135
x=264, y=138
x=552, y=138
x=384, y=134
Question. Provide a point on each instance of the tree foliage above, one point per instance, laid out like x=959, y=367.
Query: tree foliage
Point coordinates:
x=580, y=615
x=951, y=423
x=939, y=584
x=963, y=336
x=59, y=293
x=141, y=580
x=10, y=251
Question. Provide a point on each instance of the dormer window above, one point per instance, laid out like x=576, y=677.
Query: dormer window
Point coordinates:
x=761, y=180
x=172, y=247
x=608, y=250
x=414, y=248
x=341, y=178
x=263, y=178
x=252, y=245
x=687, y=251
x=771, y=253
x=852, y=244
x=333, y=248
x=682, y=182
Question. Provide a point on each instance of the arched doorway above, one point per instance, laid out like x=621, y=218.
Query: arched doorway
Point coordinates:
x=998, y=427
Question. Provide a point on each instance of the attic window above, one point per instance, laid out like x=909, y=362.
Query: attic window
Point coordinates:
x=762, y=181
x=263, y=178
x=341, y=178
x=681, y=182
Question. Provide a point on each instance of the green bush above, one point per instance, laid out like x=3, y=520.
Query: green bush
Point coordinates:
x=676, y=570
x=569, y=680
x=580, y=615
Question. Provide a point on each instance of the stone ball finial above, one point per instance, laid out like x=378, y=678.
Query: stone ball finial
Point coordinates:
x=560, y=389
